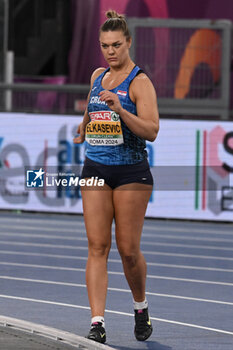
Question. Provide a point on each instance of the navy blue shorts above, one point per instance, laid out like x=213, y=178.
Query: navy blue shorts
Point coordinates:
x=118, y=175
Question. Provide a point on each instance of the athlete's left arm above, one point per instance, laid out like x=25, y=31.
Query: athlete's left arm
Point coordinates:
x=142, y=92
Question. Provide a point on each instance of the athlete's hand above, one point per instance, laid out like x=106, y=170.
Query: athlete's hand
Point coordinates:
x=112, y=100
x=81, y=132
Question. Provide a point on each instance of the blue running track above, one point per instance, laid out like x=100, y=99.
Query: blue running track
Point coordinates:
x=189, y=285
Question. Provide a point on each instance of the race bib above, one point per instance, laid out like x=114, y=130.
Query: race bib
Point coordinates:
x=104, y=129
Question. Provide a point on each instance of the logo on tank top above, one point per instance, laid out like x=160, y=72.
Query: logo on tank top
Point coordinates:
x=96, y=99
x=100, y=115
x=122, y=93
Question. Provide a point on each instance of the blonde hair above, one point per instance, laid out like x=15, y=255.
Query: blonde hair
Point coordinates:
x=115, y=22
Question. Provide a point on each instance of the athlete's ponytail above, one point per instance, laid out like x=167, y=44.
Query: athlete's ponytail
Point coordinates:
x=115, y=22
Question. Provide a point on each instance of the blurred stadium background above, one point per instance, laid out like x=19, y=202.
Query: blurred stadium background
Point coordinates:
x=49, y=50
x=186, y=51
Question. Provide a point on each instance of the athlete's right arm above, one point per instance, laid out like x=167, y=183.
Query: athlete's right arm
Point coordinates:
x=82, y=126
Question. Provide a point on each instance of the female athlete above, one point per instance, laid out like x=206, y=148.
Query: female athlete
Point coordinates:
x=121, y=115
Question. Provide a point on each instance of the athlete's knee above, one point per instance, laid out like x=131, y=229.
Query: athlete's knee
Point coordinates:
x=99, y=250
x=130, y=260
x=129, y=257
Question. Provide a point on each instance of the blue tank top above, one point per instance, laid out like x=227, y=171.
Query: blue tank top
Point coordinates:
x=110, y=141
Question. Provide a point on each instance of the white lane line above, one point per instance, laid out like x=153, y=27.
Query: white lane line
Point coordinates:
x=62, y=268
x=145, y=252
x=44, y=236
x=227, y=229
x=62, y=246
x=143, y=243
x=184, y=237
x=66, y=222
x=192, y=325
x=46, y=229
x=191, y=230
x=64, y=231
x=82, y=230
x=76, y=238
x=69, y=284
x=37, y=266
x=188, y=246
x=188, y=267
x=208, y=257
x=114, y=312
x=15, y=252
x=69, y=257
